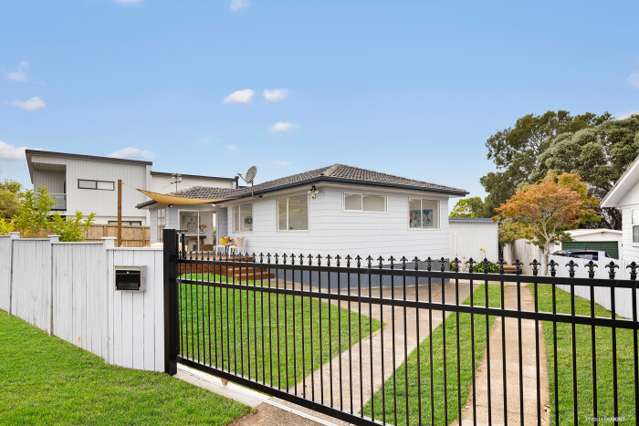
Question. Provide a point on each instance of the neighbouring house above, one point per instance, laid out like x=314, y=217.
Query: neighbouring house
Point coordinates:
x=88, y=183
x=337, y=209
x=624, y=196
x=476, y=238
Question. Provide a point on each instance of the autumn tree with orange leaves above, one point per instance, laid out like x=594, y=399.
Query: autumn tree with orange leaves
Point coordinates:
x=546, y=209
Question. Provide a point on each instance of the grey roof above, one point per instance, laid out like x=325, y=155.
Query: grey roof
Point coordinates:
x=470, y=220
x=206, y=192
x=340, y=173
x=336, y=173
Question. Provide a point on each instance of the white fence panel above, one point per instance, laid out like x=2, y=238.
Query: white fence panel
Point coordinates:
x=136, y=319
x=79, y=295
x=603, y=295
x=31, y=282
x=5, y=272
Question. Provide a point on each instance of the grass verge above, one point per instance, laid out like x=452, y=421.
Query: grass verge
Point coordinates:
x=48, y=381
x=584, y=376
x=408, y=391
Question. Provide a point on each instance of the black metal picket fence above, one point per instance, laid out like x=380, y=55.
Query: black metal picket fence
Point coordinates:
x=402, y=341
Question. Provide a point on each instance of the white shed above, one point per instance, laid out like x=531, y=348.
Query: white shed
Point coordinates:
x=476, y=238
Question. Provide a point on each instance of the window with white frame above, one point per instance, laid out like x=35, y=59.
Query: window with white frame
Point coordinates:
x=423, y=213
x=292, y=213
x=364, y=202
x=161, y=223
x=635, y=226
x=243, y=218
x=100, y=185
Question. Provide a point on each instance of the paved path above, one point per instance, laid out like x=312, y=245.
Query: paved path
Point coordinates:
x=364, y=386
x=529, y=371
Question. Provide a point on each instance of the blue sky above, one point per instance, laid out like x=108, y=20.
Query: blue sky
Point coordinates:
x=409, y=87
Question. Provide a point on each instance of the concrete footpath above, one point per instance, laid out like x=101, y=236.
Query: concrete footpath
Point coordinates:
x=529, y=370
x=356, y=390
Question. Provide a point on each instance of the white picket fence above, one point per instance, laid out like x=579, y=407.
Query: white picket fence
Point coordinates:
x=68, y=290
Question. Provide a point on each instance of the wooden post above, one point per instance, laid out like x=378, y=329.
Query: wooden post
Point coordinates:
x=119, y=242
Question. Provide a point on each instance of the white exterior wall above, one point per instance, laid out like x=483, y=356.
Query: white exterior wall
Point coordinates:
x=332, y=230
x=162, y=183
x=102, y=203
x=629, y=251
x=474, y=239
x=68, y=290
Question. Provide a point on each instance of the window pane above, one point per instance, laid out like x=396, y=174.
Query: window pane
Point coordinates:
x=281, y=215
x=429, y=214
x=298, y=213
x=188, y=222
x=374, y=203
x=86, y=184
x=635, y=234
x=107, y=186
x=415, y=207
x=246, y=217
x=353, y=201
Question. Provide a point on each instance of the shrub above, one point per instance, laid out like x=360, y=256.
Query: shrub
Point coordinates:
x=6, y=226
x=71, y=228
x=486, y=267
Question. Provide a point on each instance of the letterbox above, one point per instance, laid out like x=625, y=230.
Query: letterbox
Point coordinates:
x=129, y=278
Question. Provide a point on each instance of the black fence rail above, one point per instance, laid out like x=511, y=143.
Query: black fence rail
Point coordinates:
x=404, y=341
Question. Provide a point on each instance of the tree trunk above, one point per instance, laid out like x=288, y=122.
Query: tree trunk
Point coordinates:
x=546, y=258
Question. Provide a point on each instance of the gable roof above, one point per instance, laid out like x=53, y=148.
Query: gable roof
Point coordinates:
x=336, y=173
x=341, y=173
x=625, y=183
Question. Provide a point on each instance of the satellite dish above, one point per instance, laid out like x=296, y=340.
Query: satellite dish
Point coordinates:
x=250, y=174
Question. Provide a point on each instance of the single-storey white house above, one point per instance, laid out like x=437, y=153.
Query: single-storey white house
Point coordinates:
x=337, y=209
x=625, y=197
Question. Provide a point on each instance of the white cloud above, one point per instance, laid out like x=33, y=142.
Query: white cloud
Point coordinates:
x=32, y=104
x=132, y=153
x=237, y=5
x=11, y=152
x=20, y=73
x=231, y=147
x=627, y=115
x=282, y=163
x=243, y=96
x=129, y=2
x=282, y=127
x=633, y=79
x=275, y=95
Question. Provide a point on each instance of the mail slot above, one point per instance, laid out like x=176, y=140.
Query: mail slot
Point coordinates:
x=129, y=278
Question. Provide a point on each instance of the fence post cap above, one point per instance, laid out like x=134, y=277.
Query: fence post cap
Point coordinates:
x=54, y=238
x=108, y=242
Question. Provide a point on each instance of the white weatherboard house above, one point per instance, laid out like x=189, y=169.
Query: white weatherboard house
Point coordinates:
x=333, y=210
x=87, y=183
x=625, y=197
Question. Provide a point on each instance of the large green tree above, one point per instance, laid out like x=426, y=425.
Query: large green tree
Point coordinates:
x=516, y=151
x=471, y=207
x=9, y=198
x=600, y=154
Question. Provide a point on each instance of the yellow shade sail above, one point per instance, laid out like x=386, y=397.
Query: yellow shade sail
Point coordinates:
x=175, y=200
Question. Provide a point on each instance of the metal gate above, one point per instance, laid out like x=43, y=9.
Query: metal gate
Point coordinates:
x=401, y=341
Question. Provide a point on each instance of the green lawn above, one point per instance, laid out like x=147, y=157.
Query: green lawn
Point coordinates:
x=265, y=333
x=437, y=410
x=44, y=380
x=604, y=353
